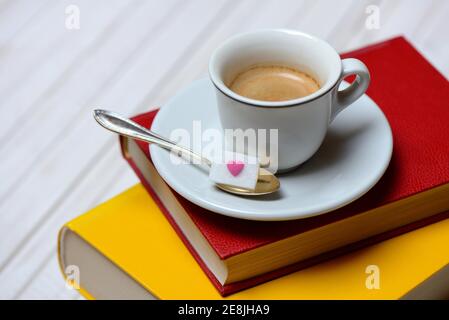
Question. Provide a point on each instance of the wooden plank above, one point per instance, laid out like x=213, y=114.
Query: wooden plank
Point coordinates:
x=392, y=22
x=57, y=109
x=65, y=155
x=33, y=57
x=41, y=65
x=19, y=47
x=430, y=35
x=321, y=17
x=16, y=16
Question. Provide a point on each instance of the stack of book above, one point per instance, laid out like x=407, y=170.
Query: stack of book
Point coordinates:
x=149, y=242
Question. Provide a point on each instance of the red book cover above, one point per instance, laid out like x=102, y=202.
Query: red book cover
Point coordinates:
x=414, y=97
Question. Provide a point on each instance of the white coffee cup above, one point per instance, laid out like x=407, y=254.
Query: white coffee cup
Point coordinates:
x=302, y=123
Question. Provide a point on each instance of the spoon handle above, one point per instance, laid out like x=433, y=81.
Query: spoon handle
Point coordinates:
x=129, y=128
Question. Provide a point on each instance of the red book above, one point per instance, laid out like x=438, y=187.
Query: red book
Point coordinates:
x=236, y=254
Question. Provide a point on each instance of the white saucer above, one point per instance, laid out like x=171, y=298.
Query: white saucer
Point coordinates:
x=353, y=157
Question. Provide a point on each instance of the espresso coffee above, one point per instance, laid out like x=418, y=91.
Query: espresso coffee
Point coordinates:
x=273, y=83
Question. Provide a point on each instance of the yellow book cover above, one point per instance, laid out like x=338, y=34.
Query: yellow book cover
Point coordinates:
x=125, y=248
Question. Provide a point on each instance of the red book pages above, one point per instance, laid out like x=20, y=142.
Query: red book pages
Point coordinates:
x=415, y=98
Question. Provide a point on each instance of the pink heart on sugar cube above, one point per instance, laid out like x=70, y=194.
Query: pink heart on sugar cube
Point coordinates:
x=235, y=167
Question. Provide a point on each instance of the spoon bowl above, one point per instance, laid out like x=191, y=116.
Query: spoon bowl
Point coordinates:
x=266, y=183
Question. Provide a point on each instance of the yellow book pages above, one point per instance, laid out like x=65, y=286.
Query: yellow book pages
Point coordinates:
x=132, y=232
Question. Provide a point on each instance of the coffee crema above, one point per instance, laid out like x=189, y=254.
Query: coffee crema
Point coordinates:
x=273, y=83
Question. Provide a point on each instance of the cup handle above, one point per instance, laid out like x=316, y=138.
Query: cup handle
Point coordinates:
x=343, y=98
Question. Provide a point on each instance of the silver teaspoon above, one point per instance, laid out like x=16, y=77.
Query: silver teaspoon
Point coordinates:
x=266, y=181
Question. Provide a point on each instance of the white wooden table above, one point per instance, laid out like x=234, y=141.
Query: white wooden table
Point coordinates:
x=130, y=56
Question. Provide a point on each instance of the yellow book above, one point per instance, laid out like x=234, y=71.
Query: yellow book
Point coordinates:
x=126, y=249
